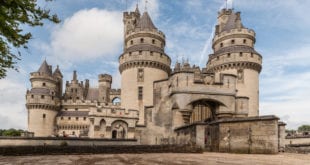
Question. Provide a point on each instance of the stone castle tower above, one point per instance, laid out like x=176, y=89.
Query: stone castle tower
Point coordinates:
x=143, y=61
x=43, y=100
x=234, y=53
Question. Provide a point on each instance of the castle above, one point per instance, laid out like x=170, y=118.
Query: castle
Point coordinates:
x=216, y=107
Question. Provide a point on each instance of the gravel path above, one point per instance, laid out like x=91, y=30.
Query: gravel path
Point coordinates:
x=160, y=159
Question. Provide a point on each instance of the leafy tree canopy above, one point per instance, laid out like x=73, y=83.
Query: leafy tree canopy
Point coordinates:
x=11, y=132
x=304, y=128
x=13, y=14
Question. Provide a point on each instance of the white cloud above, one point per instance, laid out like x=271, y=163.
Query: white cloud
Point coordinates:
x=87, y=35
x=12, y=93
x=285, y=89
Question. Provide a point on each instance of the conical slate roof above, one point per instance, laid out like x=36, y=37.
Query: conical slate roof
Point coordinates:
x=145, y=22
x=45, y=68
x=57, y=72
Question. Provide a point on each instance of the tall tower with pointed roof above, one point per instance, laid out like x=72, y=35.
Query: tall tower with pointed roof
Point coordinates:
x=143, y=61
x=234, y=53
x=43, y=100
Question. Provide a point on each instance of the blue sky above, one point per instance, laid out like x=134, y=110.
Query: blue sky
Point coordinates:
x=89, y=40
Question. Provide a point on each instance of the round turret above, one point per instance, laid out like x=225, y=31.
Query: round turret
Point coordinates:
x=144, y=61
x=42, y=101
x=105, y=82
x=234, y=53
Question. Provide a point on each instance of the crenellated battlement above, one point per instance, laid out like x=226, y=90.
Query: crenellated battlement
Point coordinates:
x=41, y=76
x=113, y=112
x=115, y=91
x=105, y=78
x=225, y=12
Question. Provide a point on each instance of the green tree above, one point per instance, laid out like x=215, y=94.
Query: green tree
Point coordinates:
x=13, y=14
x=304, y=128
x=12, y=132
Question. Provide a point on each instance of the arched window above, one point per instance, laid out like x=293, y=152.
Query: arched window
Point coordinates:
x=116, y=101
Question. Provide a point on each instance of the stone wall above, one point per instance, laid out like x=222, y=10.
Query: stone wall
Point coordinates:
x=297, y=140
x=236, y=135
x=109, y=149
x=41, y=141
x=249, y=135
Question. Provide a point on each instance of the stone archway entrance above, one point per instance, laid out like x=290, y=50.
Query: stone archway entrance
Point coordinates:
x=114, y=134
x=119, y=129
x=203, y=110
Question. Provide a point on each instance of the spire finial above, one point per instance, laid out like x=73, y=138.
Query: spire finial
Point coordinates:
x=226, y=4
x=146, y=1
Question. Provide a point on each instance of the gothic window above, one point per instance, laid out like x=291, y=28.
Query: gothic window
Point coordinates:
x=140, y=93
x=44, y=115
x=140, y=75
